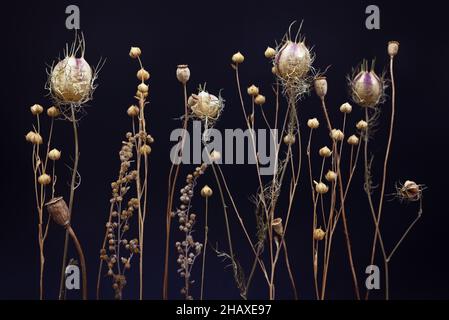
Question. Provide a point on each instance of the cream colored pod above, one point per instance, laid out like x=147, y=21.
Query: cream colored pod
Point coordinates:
x=293, y=60
x=204, y=105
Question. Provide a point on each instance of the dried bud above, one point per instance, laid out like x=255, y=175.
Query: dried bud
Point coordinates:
x=289, y=139
x=58, y=210
x=142, y=88
x=353, y=140
x=346, y=108
x=44, y=179
x=34, y=137
x=54, y=154
x=410, y=191
x=325, y=152
x=36, y=109
x=318, y=234
x=238, y=58
x=53, y=112
x=133, y=111
x=321, y=86
x=277, y=226
x=143, y=75
x=361, y=125
x=393, y=48
x=206, y=192
x=145, y=149
x=259, y=100
x=135, y=52
x=183, y=73
x=313, y=123
x=331, y=176
x=253, y=90
x=321, y=188
x=270, y=53
x=337, y=135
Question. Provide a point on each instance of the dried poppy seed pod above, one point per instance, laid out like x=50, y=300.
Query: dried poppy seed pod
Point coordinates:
x=270, y=53
x=346, y=108
x=325, y=152
x=361, y=125
x=353, y=140
x=54, y=154
x=53, y=112
x=313, y=123
x=145, y=149
x=320, y=86
x=277, y=226
x=58, y=210
x=293, y=60
x=238, y=58
x=135, y=52
x=321, y=188
x=44, y=179
x=337, y=135
x=36, y=109
x=206, y=192
x=133, y=111
x=253, y=90
x=183, y=73
x=331, y=176
x=259, y=100
x=318, y=234
x=289, y=139
x=393, y=48
x=143, y=75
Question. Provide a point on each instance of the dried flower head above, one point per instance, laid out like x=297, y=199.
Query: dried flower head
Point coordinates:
x=393, y=48
x=320, y=84
x=36, y=109
x=135, y=52
x=337, y=135
x=362, y=125
x=325, y=152
x=142, y=88
x=321, y=188
x=133, y=111
x=183, y=73
x=44, y=179
x=318, y=234
x=259, y=100
x=205, y=106
x=58, y=210
x=353, y=140
x=253, y=90
x=277, y=226
x=313, y=123
x=409, y=191
x=331, y=176
x=54, y=154
x=215, y=156
x=34, y=137
x=238, y=58
x=53, y=112
x=270, y=53
x=145, y=149
x=367, y=88
x=206, y=192
x=346, y=108
x=289, y=139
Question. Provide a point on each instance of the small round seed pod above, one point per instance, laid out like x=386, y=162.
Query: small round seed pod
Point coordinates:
x=215, y=156
x=183, y=73
x=259, y=100
x=320, y=85
x=353, y=140
x=53, y=112
x=321, y=188
x=143, y=75
x=393, y=48
x=361, y=125
x=318, y=234
x=331, y=176
x=142, y=88
x=313, y=123
x=54, y=154
x=410, y=191
x=270, y=53
x=135, y=52
x=36, y=109
x=289, y=139
x=29, y=136
x=337, y=135
x=34, y=138
x=145, y=149
x=346, y=108
x=58, y=210
x=277, y=226
x=253, y=90
x=44, y=179
x=206, y=192
x=133, y=111
x=325, y=152
x=238, y=58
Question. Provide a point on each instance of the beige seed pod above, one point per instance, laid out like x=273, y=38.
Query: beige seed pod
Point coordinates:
x=29, y=136
x=270, y=53
x=318, y=234
x=293, y=60
x=253, y=90
x=143, y=74
x=58, y=210
x=321, y=188
x=353, y=140
x=44, y=179
x=143, y=88
x=215, y=156
x=325, y=152
x=346, y=108
x=36, y=109
x=320, y=86
x=206, y=192
x=331, y=176
x=183, y=73
x=259, y=100
x=53, y=112
x=135, y=52
x=133, y=111
x=145, y=149
x=361, y=125
x=289, y=139
x=337, y=135
x=313, y=123
x=393, y=48
x=277, y=226
x=54, y=154
x=238, y=58
x=34, y=137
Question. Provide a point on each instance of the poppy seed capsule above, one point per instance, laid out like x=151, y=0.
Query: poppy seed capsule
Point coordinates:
x=135, y=52
x=44, y=179
x=58, y=210
x=361, y=125
x=143, y=74
x=331, y=176
x=270, y=53
x=345, y=108
x=277, y=226
x=133, y=111
x=53, y=112
x=325, y=152
x=253, y=90
x=238, y=58
x=320, y=86
x=321, y=188
x=36, y=109
x=293, y=60
x=367, y=88
x=183, y=73
x=206, y=192
x=313, y=123
x=353, y=140
x=259, y=100
x=54, y=154
x=393, y=48
x=318, y=234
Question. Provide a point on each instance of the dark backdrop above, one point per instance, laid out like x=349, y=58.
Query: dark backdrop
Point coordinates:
x=205, y=35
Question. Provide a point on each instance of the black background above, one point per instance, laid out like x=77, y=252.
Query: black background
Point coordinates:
x=205, y=35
